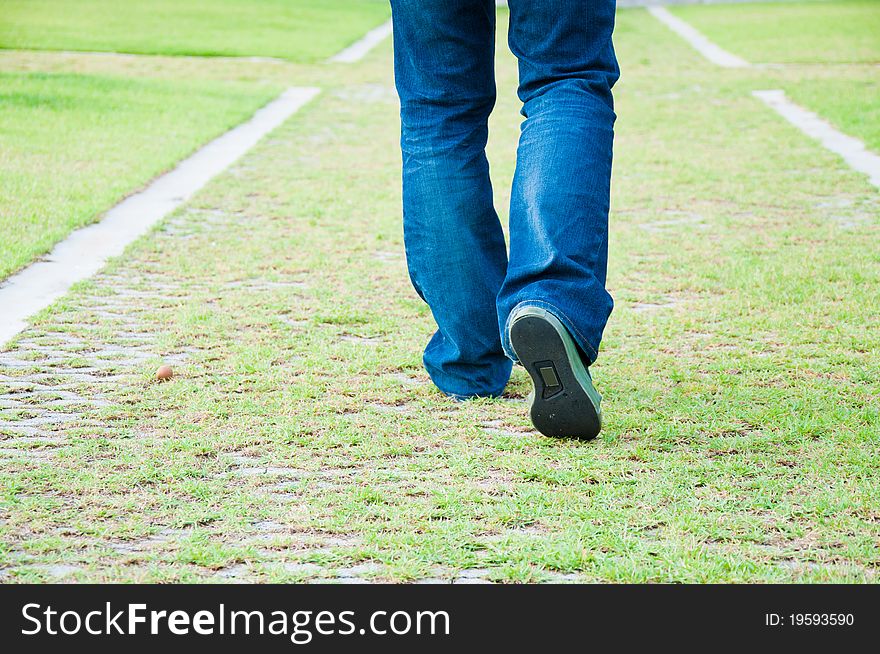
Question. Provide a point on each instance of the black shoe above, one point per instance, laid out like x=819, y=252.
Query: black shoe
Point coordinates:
x=564, y=402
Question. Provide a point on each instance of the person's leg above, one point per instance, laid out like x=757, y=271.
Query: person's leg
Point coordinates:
x=559, y=204
x=444, y=72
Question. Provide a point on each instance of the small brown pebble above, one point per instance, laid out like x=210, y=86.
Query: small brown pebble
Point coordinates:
x=164, y=373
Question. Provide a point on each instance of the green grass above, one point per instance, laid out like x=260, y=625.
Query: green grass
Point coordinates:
x=851, y=103
x=300, y=438
x=71, y=146
x=830, y=31
x=299, y=30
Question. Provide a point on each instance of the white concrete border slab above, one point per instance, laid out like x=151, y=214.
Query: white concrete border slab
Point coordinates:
x=356, y=51
x=851, y=149
x=86, y=250
x=132, y=56
x=714, y=53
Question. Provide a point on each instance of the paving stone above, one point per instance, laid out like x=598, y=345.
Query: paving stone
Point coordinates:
x=140, y=545
x=48, y=418
x=15, y=428
x=473, y=573
x=41, y=455
x=359, y=570
x=408, y=380
x=391, y=408
x=499, y=428
x=40, y=439
x=388, y=256
x=361, y=340
x=302, y=568
x=265, y=284
x=59, y=571
x=654, y=306
x=264, y=471
x=238, y=571
x=688, y=221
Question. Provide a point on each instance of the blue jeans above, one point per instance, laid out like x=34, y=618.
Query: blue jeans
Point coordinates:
x=457, y=258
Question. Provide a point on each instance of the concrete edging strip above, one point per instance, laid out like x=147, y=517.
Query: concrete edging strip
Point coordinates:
x=851, y=149
x=356, y=51
x=86, y=250
x=714, y=53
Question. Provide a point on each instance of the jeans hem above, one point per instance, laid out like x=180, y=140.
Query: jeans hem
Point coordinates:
x=579, y=338
x=468, y=394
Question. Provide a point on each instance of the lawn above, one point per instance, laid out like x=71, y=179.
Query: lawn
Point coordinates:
x=71, y=146
x=300, y=439
x=851, y=102
x=825, y=31
x=298, y=30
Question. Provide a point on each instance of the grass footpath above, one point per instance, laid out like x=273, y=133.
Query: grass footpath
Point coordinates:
x=72, y=146
x=830, y=50
x=301, y=440
x=298, y=30
x=817, y=31
x=850, y=101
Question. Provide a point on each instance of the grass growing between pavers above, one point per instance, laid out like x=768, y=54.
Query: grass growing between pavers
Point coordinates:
x=822, y=31
x=301, y=440
x=71, y=146
x=299, y=30
x=832, y=49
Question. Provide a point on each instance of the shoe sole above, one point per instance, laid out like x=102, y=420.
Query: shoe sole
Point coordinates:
x=562, y=406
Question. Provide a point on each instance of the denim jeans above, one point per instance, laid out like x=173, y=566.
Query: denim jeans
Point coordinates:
x=455, y=247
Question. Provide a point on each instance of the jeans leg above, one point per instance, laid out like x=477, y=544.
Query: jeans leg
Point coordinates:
x=456, y=254
x=560, y=197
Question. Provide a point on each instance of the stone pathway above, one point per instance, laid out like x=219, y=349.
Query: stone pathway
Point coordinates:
x=852, y=150
x=85, y=251
x=65, y=384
